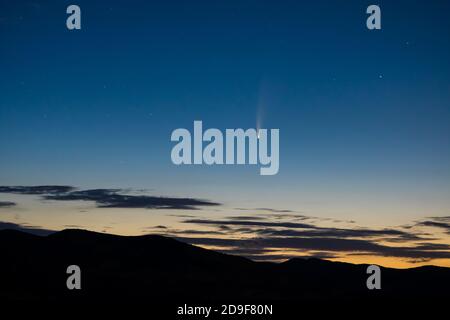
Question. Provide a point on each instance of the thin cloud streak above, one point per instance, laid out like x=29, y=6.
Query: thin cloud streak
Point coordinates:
x=109, y=198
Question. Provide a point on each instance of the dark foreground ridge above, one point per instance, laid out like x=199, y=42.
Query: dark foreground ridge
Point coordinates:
x=155, y=268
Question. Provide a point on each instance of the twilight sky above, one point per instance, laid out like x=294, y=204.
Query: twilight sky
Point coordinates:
x=363, y=116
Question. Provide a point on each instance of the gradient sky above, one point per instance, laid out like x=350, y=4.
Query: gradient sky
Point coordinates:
x=363, y=115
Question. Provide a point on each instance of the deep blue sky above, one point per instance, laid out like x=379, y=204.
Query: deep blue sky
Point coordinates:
x=363, y=115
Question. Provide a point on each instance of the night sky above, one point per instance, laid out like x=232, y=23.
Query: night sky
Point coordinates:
x=364, y=119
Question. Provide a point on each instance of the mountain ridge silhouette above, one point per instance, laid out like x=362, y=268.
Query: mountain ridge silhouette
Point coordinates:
x=138, y=268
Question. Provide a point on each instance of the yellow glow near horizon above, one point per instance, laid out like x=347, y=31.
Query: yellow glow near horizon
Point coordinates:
x=54, y=215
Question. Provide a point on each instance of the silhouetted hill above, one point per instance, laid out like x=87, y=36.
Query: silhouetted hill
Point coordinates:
x=155, y=268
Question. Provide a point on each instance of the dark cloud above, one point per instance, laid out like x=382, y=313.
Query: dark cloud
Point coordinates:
x=436, y=222
x=175, y=232
x=247, y=218
x=327, y=246
x=306, y=238
x=407, y=238
x=291, y=229
x=202, y=232
x=432, y=246
x=252, y=223
x=25, y=228
x=275, y=210
x=109, y=198
x=248, y=251
x=280, y=256
x=35, y=189
x=265, y=209
x=443, y=218
x=276, y=213
x=280, y=214
x=7, y=204
x=182, y=215
x=113, y=198
x=342, y=233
